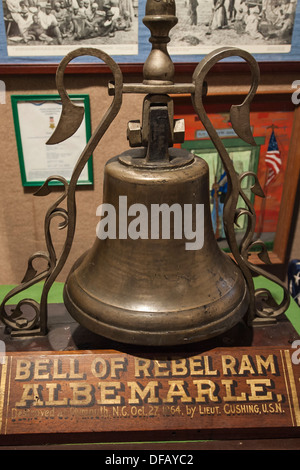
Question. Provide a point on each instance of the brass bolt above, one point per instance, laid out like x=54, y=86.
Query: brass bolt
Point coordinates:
x=134, y=133
x=179, y=131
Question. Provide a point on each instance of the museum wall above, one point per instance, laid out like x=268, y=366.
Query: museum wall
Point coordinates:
x=22, y=214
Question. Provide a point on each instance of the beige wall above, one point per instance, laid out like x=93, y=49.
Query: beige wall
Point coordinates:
x=22, y=214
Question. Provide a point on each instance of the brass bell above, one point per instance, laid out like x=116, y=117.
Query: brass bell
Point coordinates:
x=157, y=276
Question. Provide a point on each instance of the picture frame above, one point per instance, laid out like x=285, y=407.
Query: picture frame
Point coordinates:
x=245, y=158
x=184, y=47
x=37, y=160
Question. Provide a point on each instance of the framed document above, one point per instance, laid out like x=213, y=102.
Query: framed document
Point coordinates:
x=35, y=118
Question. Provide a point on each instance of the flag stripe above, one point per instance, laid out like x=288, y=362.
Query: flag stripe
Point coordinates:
x=272, y=159
x=273, y=165
x=270, y=178
x=272, y=155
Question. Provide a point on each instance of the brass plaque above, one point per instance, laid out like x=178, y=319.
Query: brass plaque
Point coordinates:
x=110, y=391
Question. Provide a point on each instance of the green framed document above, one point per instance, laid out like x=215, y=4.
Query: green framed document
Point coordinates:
x=35, y=118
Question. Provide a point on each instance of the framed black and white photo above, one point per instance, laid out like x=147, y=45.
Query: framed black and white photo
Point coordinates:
x=258, y=26
x=52, y=28
x=44, y=31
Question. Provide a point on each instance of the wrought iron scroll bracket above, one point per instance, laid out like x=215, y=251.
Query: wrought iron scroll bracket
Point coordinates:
x=28, y=317
x=16, y=320
x=263, y=307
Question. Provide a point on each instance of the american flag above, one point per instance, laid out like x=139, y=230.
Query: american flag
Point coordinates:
x=273, y=159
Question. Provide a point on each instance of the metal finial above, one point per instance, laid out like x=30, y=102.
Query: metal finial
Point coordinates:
x=160, y=18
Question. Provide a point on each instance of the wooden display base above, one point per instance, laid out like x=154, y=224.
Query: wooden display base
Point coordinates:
x=73, y=386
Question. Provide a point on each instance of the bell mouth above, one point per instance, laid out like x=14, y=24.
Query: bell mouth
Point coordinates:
x=155, y=328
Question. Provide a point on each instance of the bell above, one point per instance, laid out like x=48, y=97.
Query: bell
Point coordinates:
x=155, y=274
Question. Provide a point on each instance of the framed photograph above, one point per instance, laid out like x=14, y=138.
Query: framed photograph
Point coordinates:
x=55, y=28
x=258, y=26
x=275, y=159
x=38, y=160
x=51, y=29
x=42, y=32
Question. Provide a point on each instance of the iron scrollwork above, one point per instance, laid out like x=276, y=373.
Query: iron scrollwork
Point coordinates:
x=71, y=117
x=263, y=306
x=17, y=320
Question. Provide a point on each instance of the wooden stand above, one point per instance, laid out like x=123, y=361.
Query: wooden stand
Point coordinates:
x=75, y=387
